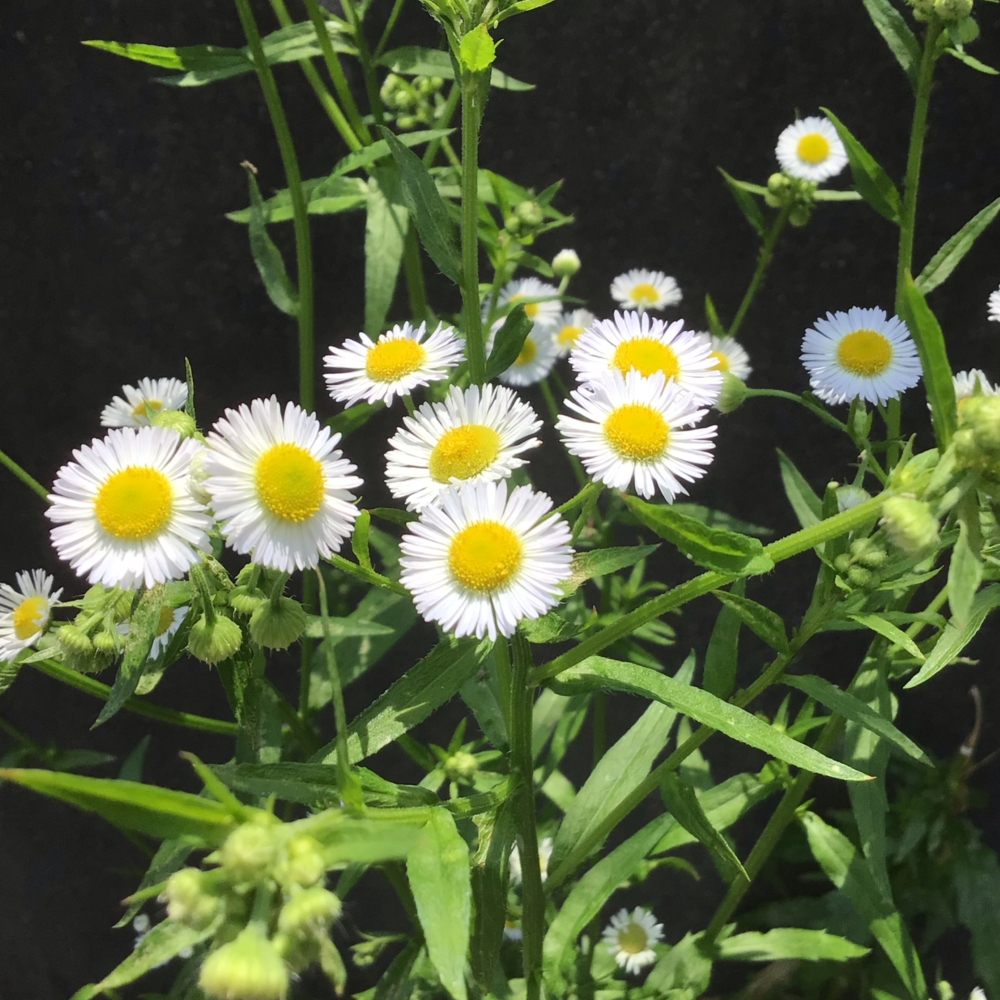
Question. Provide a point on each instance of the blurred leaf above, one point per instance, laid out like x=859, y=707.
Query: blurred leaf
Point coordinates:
x=712, y=319
x=267, y=256
x=8, y=671
x=353, y=418
x=872, y=182
x=412, y=60
x=965, y=571
x=131, y=769
x=163, y=942
x=490, y=880
x=762, y=621
x=599, y=562
x=788, y=942
x=371, y=841
x=747, y=204
x=719, y=519
x=807, y=505
x=508, y=342
x=683, y=973
x=896, y=32
x=940, y=266
x=887, y=630
x=977, y=889
x=169, y=857
x=520, y=7
x=385, y=235
x=971, y=61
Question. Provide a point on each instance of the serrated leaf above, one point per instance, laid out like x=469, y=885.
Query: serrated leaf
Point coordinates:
x=599, y=562
x=872, y=182
x=412, y=60
x=898, y=36
x=788, y=942
x=747, y=204
x=267, y=257
x=807, y=505
x=887, y=630
x=386, y=223
x=508, y=342
x=477, y=49
x=762, y=621
x=940, y=266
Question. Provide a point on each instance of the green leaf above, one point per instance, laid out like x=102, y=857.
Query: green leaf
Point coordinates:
x=600, y=562
x=159, y=812
x=712, y=318
x=722, y=656
x=169, y=857
x=477, y=50
x=437, y=232
x=163, y=942
x=683, y=973
x=719, y=519
x=368, y=842
x=971, y=61
x=788, y=942
x=940, y=266
x=359, y=543
x=762, y=621
x=267, y=256
x=412, y=60
x=8, y=671
x=896, y=32
x=849, y=873
x=598, y=672
x=379, y=149
x=965, y=571
x=887, y=630
x=847, y=705
x=386, y=224
x=747, y=204
x=520, y=6
x=353, y=418
x=872, y=182
x=807, y=505
x=490, y=881
x=977, y=887
x=713, y=548
x=438, y=871
x=954, y=639
x=508, y=342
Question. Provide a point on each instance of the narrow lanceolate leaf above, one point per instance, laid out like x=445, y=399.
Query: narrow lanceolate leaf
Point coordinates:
x=722, y=655
x=598, y=672
x=954, y=638
x=598, y=562
x=965, y=571
x=437, y=232
x=490, y=880
x=940, y=266
x=760, y=620
x=412, y=60
x=839, y=860
x=159, y=812
x=508, y=342
x=747, y=204
x=872, y=182
x=893, y=28
x=889, y=631
x=385, y=235
x=713, y=548
x=163, y=942
x=788, y=942
x=807, y=505
x=267, y=256
x=438, y=871
x=971, y=61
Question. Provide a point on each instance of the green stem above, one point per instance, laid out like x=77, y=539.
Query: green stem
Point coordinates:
x=25, y=478
x=303, y=248
x=793, y=397
x=581, y=498
x=760, y=273
x=501, y=656
x=368, y=575
x=443, y=120
x=471, y=121
x=550, y=402
x=389, y=25
x=365, y=58
x=413, y=270
x=309, y=593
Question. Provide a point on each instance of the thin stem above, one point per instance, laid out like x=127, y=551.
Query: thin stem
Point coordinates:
x=828, y=418
x=471, y=121
x=442, y=121
x=365, y=58
x=600, y=725
x=550, y=402
x=25, y=478
x=309, y=593
x=389, y=25
x=764, y=259
x=413, y=269
x=368, y=575
x=581, y=498
x=501, y=656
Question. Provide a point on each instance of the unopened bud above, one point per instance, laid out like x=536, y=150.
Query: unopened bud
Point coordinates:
x=304, y=863
x=981, y=415
x=732, y=394
x=406, y=122
x=850, y=496
x=249, y=852
x=309, y=913
x=799, y=215
x=246, y=601
x=248, y=968
x=461, y=766
x=216, y=641
x=106, y=642
x=530, y=213
x=74, y=641
x=868, y=552
x=187, y=901
x=858, y=576
x=277, y=626
x=952, y=11
x=175, y=420
x=565, y=264
x=911, y=525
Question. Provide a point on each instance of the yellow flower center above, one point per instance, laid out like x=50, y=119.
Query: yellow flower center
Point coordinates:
x=569, y=334
x=463, y=452
x=484, y=555
x=391, y=359
x=633, y=939
x=528, y=352
x=721, y=361
x=134, y=503
x=290, y=482
x=29, y=616
x=530, y=308
x=646, y=356
x=166, y=620
x=645, y=294
x=637, y=432
x=865, y=352
x=147, y=408
x=814, y=147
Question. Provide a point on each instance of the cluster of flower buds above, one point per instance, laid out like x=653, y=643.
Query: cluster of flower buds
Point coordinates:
x=94, y=639
x=793, y=193
x=416, y=102
x=948, y=11
x=858, y=567
x=977, y=440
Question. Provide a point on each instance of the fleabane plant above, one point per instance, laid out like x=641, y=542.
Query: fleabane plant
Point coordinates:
x=250, y=545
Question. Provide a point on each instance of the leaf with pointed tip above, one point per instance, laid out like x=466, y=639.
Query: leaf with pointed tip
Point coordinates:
x=789, y=942
x=747, y=204
x=386, y=223
x=872, y=182
x=898, y=36
x=940, y=266
x=599, y=562
x=509, y=341
x=267, y=256
x=762, y=621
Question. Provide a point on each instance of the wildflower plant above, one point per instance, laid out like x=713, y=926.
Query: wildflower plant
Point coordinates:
x=232, y=542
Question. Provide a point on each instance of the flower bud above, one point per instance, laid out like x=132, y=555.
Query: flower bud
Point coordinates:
x=565, y=264
x=187, y=901
x=732, y=394
x=850, y=496
x=175, y=420
x=406, y=122
x=309, y=913
x=512, y=224
x=246, y=601
x=249, y=852
x=530, y=213
x=106, y=642
x=277, y=626
x=461, y=766
x=800, y=215
x=248, y=968
x=911, y=525
x=304, y=864
x=981, y=415
x=858, y=576
x=952, y=11
x=868, y=552
x=215, y=642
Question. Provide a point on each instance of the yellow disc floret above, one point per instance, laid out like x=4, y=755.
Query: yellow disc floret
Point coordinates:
x=463, y=452
x=530, y=308
x=290, y=481
x=29, y=616
x=633, y=939
x=147, y=407
x=568, y=335
x=528, y=351
x=484, y=556
x=134, y=503
x=645, y=294
x=166, y=620
x=646, y=356
x=637, y=432
x=392, y=359
x=721, y=361
x=814, y=147
x=865, y=352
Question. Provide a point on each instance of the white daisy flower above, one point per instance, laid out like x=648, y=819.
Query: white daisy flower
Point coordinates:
x=973, y=383
x=480, y=561
x=400, y=360
x=537, y=358
x=860, y=353
x=568, y=329
x=152, y=396
x=634, y=340
x=729, y=356
x=994, y=306
x=166, y=629
x=279, y=486
x=25, y=612
x=641, y=289
x=472, y=436
x=640, y=429
x=540, y=300
x=630, y=937
x=544, y=853
x=124, y=511
x=512, y=930
x=811, y=150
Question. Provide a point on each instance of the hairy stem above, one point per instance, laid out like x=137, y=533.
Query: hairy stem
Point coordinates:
x=764, y=259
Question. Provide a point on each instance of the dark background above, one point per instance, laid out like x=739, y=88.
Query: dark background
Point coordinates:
x=116, y=262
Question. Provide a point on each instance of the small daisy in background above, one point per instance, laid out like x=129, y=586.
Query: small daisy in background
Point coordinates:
x=972, y=383
x=641, y=290
x=544, y=853
x=630, y=937
x=993, y=306
x=568, y=329
x=25, y=612
x=540, y=300
x=397, y=363
x=811, y=150
x=475, y=435
x=480, y=560
x=166, y=629
x=537, y=357
x=860, y=353
x=635, y=341
x=729, y=356
x=638, y=429
x=152, y=396
x=279, y=486
x=124, y=511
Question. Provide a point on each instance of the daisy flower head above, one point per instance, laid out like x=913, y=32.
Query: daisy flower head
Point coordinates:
x=279, y=486
x=394, y=365
x=475, y=435
x=630, y=937
x=811, y=150
x=993, y=306
x=860, y=353
x=637, y=429
x=142, y=402
x=634, y=341
x=544, y=853
x=641, y=289
x=481, y=560
x=537, y=357
x=124, y=511
x=568, y=329
x=539, y=298
x=972, y=383
x=729, y=356
x=25, y=612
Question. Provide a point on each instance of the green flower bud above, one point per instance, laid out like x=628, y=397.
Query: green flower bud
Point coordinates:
x=842, y=563
x=406, y=122
x=530, y=213
x=277, y=627
x=309, y=913
x=249, y=851
x=424, y=85
x=981, y=415
x=73, y=641
x=248, y=968
x=911, y=525
x=187, y=901
x=732, y=394
x=304, y=863
x=246, y=601
x=850, y=496
x=777, y=183
x=868, y=552
x=215, y=642
x=461, y=766
x=952, y=11
x=858, y=576
x=922, y=9
x=800, y=215
x=395, y=92
x=175, y=420
x=512, y=224
x=565, y=264
x=106, y=642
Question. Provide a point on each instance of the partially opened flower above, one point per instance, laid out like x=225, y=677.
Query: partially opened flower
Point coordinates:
x=539, y=298
x=729, y=356
x=641, y=289
x=635, y=341
x=124, y=511
x=394, y=365
x=480, y=560
x=142, y=402
x=568, y=329
x=25, y=612
x=475, y=435
x=630, y=937
x=811, y=150
x=279, y=485
x=993, y=306
x=638, y=429
x=536, y=359
x=860, y=353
